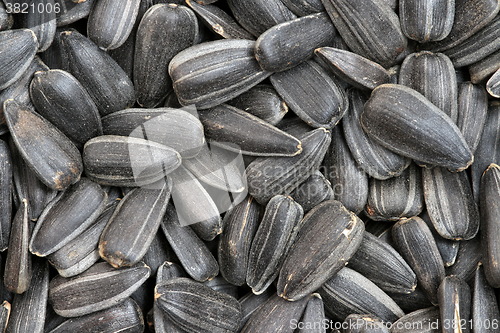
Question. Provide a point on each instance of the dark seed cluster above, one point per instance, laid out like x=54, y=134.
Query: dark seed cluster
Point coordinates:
x=249, y=166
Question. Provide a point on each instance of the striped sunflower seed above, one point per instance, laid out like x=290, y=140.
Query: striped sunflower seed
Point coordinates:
x=420, y=321
x=169, y=270
x=71, y=11
x=18, y=47
x=313, y=191
x=447, y=248
x=470, y=254
x=328, y=238
x=484, y=68
x=484, y=303
x=413, y=301
x=5, y=309
x=251, y=303
x=493, y=84
x=304, y=7
x=313, y=318
x=358, y=323
x=454, y=305
x=41, y=22
x=98, y=288
x=220, y=284
x=6, y=191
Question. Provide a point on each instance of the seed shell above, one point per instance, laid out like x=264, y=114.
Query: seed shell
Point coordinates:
x=275, y=234
x=6, y=191
x=251, y=303
x=328, y=238
x=6, y=19
x=98, y=288
x=220, y=284
x=484, y=68
x=312, y=94
x=493, y=84
x=416, y=128
x=70, y=12
x=447, y=248
x=215, y=72
x=413, y=301
x=469, y=255
x=64, y=166
x=18, y=51
x=5, y=309
x=313, y=191
x=484, y=303
x=169, y=270
x=196, y=308
x=304, y=7
x=357, y=323
x=454, y=304
x=420, y=321
x=313, y=316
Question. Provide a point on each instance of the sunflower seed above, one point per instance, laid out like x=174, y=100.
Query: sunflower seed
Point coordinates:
x=454, y=305
x=379, y=38
x=158, y=253
x=133, y=161
x=416, y=128
x=275, y=234
x=98, y=288
x=447, y=248
x=251, y=303
x=357, y=323
x=177, y=129
x=304, y=7
x=252, y=135
x=215, y=311
x=312, y=94
x=81, y=57
x=126, y=316
x=276, y=315
x=5, y=309
x=313, y=191
x=262, y=101
x=484, y=303
x=256, y=16
x=41, y=22
x=393, y=198
x=383, y=265
x=71, y=12
x=416, y=244
x=354, y=69
x=470, y=253
x=493, y=84
x=348, y=181
x=198, y=77
x=169, y=270
x=484, y=68
x=349, y=292
x=432, y=75
x=62, y=100
x=413, y=301
x=450, y=204
x=6, y=189
x=271, y=176
x=18, y=51
x=313, y=318
x=419, y=321
x=165, y=30
x=193, y=254
x=6, y=19
x=328, y=238
x=372, y=158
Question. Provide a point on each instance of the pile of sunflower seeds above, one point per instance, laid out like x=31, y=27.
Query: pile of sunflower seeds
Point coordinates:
x=250, y=166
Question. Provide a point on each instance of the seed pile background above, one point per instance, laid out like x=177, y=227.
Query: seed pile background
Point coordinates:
x=368, y=195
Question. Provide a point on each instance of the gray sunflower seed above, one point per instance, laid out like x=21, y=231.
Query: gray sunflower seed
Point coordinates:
x=262, y=101
x=271, y=176
x=470, y=253
x=358, y=323
x=472, y=112
x=32, y=303
x=416, y=244
x=128, y=161
x=477, y=47
x=256, y=16
x=383, y=265
x=275, y=234
x=349, y=292
x=374, y=159
x=465, y=24
x=219, y=21
x=192, y=253
x=419, y=321
x=379, y=38
x=165, y=30
x=17, y=274
x=174, y=128
x=251, y=303
x=169, y=270
x=220, y=284
x=493, y=84
x=304, y=7
x=71, y=12
x=6, y=19
x=123, y=242
x=393, y=198
x=215, y=311
x=276, y=315
x=198, y=77
x=354, y=69
x=415, y=128
x=312, y=94
x=6, y=190
x=41, y=22
x=51, y=155
x=288, y=44
x=490, y=192
x=411, y=302
x=53, y=56
x=204, y=218
x=252, y=135
x=111, y=22
x=450, y=204
x=328, y=238
x=447, y=248
x=433, y=76
x=98, y=288
x=81, y=252
x=240, y=226
x=348, y=181
x=484, y=304
x=313, y=191
x=67, y=216
x=484, y=68
x=124, y=317
x=81, y=57
x=294, y=126
x=313, y=318
x=162, y=323
x=5, y=309
x=62, y=100
x=426, y=21
x=488, y=149
x=454, y=305
x=158, y=252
